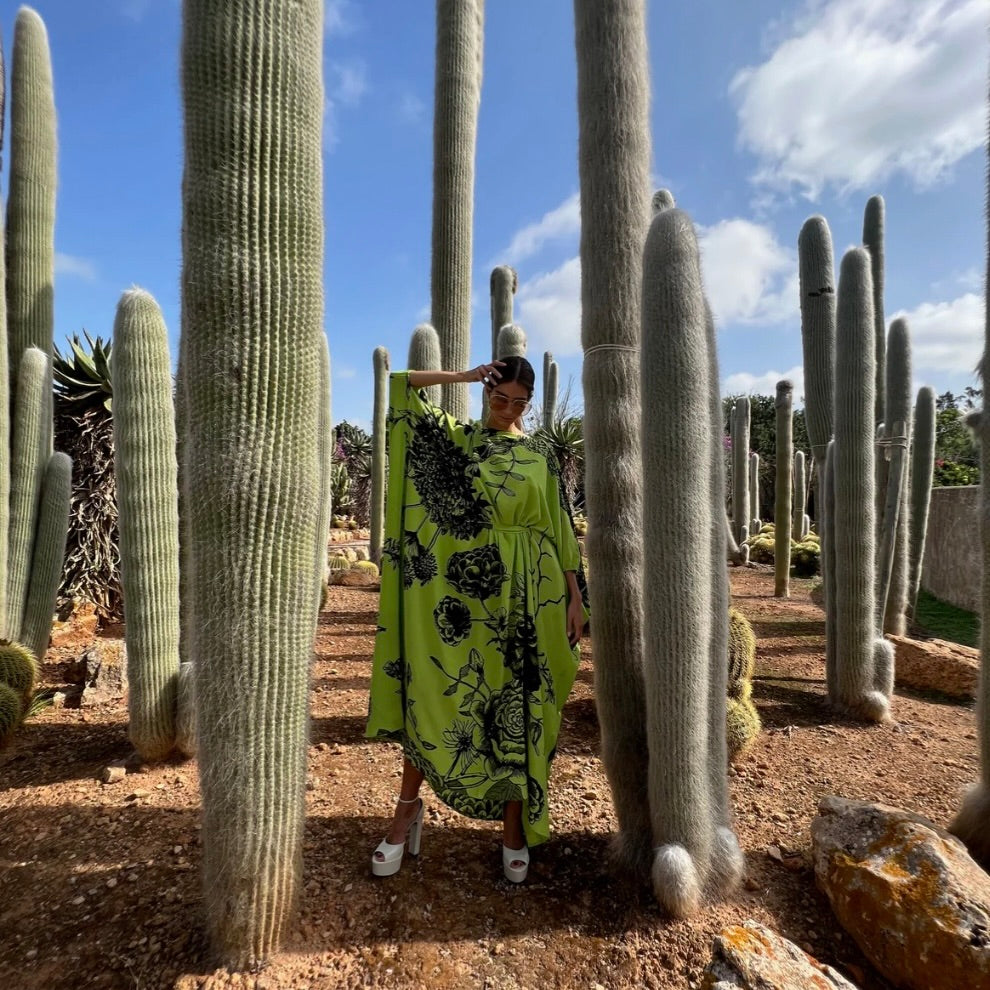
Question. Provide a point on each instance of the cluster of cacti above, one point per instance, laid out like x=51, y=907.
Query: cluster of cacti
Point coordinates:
x=580, y=524
x=424, y=355
x=740, y=469
x=148, y=503
x=686, y=599
x=35, y=484
x=804, y=555
x=378, y=438
x=457, y=97
x=250, y=355
x=756, y=522
x=800, y=524
x=18, y=676
x=614, y=164
x=784, y=453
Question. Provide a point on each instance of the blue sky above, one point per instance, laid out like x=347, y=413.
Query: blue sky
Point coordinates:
x=763, y=113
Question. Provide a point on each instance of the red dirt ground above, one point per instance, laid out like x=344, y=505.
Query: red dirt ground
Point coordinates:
x=99, y=883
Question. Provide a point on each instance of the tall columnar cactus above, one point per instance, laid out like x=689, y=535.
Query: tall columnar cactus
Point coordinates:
x=614, y=165
x=30, y=234
x=325, y=428
x=378, y=437
x=148, y=503
x=503, y=284
x=799, y=499
x=862, y=669
x=686, y=606
x=784, y=453
x=754, y=493
x=26, y=473
x=873, y=241
x=922, y=467
x=424, y=355
x=4, y=416
x=511, y=341
x=740, y=468
x=252, y=328
x=898, y=410
x=457, y=97
x=972, y=823
x=663, y=199
x=550, y=387
x=48, y=556
x=828, y=570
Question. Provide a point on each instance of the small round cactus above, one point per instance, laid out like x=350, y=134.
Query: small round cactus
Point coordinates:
x=11, y=712
x=18, y=670
x=742, y=723
x=365, y=567
x=338, y=562
x=742, y=652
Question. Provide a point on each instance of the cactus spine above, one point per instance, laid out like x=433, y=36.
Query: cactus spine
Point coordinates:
x=511, y=341
x=30, y=244
x=754, y=493
x=898, y=411
x=740, y=465
x=252, y=312
x=922, y=467
x=148, y=501
x=457, y=96
x=686, y=605
x=503, y=285
x=614, y=165
x=800, y=498
x=27, y=471
x=550, y=387
x=873, y=241
x=859, y=682
x=378, y=437
x=784, y=453
x=424, y=355
x=48, y=556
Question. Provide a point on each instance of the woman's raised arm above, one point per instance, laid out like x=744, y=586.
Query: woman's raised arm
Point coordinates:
x=487, y=373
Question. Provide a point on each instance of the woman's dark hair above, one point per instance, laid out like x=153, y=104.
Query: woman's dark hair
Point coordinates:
x=517, y=369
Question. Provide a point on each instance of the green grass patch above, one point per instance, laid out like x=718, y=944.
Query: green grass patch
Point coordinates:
x=945, y=621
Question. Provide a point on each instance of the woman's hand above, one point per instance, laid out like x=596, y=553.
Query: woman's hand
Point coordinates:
x=487, y=374
x=575, y=619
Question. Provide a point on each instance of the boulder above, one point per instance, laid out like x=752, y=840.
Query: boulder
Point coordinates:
x=935, y=665
x=751, y=957
x=907, y=891
x=101, y=671
x=75, y=628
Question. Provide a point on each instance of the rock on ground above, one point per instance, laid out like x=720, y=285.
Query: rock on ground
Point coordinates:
x=908, y=893
x=751, y=957
x=935, y=665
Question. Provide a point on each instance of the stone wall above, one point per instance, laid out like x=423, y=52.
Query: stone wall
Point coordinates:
x=952, y=549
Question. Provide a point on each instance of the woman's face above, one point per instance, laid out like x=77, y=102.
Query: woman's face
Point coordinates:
x=507, y=402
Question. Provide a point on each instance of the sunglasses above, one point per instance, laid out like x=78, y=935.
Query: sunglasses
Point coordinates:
x=500, y=402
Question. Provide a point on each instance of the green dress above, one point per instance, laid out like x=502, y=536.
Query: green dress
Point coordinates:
x=472, y=663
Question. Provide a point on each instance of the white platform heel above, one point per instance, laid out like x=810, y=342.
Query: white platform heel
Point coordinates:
x=387, y=858
x=515, y=874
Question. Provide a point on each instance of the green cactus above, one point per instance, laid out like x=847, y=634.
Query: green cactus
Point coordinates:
x=424, y=355
x=799, y=498
x=326, y=447
x=755, y=524
x=922, y=467
x=742, y=652
x=252, y=329
x=148, y=502
x=48, y=556
x=511, y=341
x=185, y=710
x=873, y=241
x=378, y=438
x=26, y=473
x=365, y=567
x=30, y=244
x=4, y=413
x=18, y=670
x=663, y=199
x=784, y=452
x=338, y=562
x=898, y=410
x=743, y=726
x=457, y=96
x=11, y=714
x=550, y=394
x=740, y=469
x=686, y=607
x=503, y=284
x=614, y=166
x=861, y=673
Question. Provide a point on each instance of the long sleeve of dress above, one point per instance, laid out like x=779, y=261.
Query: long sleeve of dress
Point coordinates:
x=564, y=539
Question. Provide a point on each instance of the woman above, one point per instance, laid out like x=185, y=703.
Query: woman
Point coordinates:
x=481, y=612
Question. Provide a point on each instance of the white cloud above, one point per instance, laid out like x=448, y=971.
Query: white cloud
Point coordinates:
x=338, y=18
x=347, y=82
x=412, y=109
x=548, y=307
x=343, y=371
x=743, y=383
x=946, y=336
x=861, y=89
x=561, y=222
x=749, y=276
x=68, y=264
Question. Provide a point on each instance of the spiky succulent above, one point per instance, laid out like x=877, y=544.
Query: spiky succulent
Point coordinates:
x=18, y=670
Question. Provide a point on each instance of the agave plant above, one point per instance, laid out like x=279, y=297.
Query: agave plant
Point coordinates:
x=84, y=430
x=352, y=449
x=565, y=435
